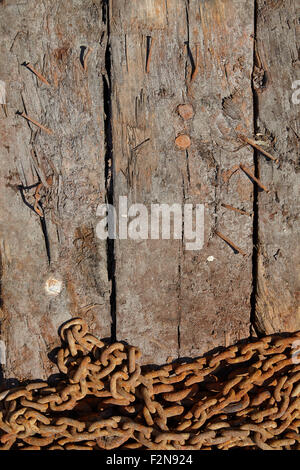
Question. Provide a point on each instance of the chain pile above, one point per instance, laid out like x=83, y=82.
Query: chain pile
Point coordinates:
x=246, y=396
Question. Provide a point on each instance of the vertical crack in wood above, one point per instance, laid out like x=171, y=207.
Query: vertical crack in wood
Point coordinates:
x=1, y=289
x=109, y=167
x=46, y=238
x=22, y=188
x=187, y=43
x=255, y=235
x=1, y=307
x=181, y=247
x=181, y=255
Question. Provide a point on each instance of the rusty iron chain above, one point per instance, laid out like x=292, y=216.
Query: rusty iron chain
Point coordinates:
x=246, y=396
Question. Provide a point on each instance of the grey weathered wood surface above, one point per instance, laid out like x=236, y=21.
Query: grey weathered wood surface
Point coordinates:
x=172, y=301
x=114, y=129
x=278, y=280
x=50, y=38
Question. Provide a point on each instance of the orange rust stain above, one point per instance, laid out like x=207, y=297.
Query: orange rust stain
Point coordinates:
x=61, y=53
x=47, y=25
x=217, y=18
x=183, y=141
x=47, y=329
x=26, y=353
x=81, y=85
x=158, y=11
x=5, y=134
x=200, y=189
x=243, y=128
x=55, y=78
x=244, y=189
x=57, y=59
x=227, y=174
x=73, y=296
x=59, y=34
x=201, y=63
x=63, y=108
x=245, y=114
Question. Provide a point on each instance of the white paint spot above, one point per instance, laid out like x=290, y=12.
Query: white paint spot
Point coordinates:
x=2, y=353
x=53, y=286
x=2, y=92
x=210, y=258
x=296, y=94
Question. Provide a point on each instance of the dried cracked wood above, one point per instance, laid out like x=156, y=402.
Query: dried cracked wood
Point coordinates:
x=171, y=301
x=215, y=296
x=51, y=38
x=161, y=54
x=277, y=67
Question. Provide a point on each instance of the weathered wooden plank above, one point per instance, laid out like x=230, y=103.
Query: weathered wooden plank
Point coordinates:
x=52, y=38
x=143, y=110
x=164, y=54
x=277, y=68
x=216, y=282
x=171, y=301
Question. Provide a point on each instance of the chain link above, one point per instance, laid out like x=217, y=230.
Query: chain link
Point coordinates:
x=246, y=396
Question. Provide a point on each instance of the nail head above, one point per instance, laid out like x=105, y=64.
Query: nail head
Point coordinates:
x=186, y=111
x=183, y=141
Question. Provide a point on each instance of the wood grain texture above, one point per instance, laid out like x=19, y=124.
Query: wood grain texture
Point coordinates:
x=215, y=295
x=146, y=99
x=51, y=38
x=171, y=301
x=144, y=107
x=277, y=67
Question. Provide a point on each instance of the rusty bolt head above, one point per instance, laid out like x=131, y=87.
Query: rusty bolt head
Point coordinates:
x=183, y=141
x=186, y=111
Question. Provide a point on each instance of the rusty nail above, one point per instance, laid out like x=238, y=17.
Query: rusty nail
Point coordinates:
x=257, y=181
x=233, y=245
x=195, y=71
x=38, y=74
x=149, y=54
x=86, y=58
x=49, y=131
x=257, y=147
x=240, y=211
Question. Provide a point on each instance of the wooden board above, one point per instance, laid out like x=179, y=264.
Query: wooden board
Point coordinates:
x=51, y=38
x=215, y=295
x=171, y=301
x=118, y=72
x=278, y=67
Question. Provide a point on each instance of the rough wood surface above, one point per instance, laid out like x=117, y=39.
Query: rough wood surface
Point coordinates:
x=146, y=99
x=278, y=66
x=171, y=301
x=51, y=38
x=215, y=295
